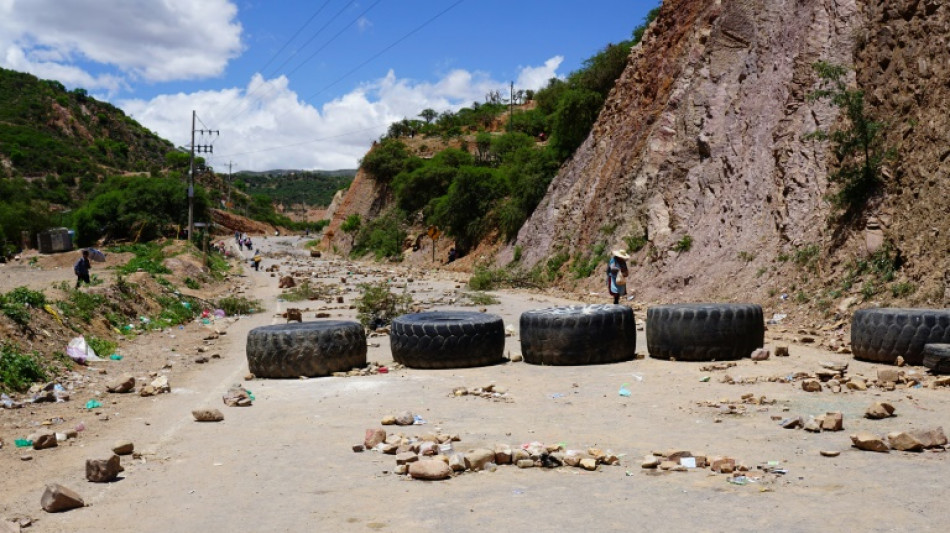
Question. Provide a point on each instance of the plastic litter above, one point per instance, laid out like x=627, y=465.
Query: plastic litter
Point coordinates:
x=688, y=462
x=78, y=350
x=638, y=377
x=93, y=404
x=23, y=443
x=383, y=370
x=624, y=391
x=80, y=427
x=115, y=357
x=418, y=420
x=205, y=321
x=219, y=313
x=739, y=480
x=250, y=395
x=704, y=379
x=557, y=395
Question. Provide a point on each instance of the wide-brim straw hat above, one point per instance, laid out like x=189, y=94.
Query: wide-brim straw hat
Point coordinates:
x=622, y=254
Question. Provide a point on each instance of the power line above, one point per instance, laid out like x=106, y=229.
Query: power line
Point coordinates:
x=287, y=43
x=303, y=142
x=384, y=50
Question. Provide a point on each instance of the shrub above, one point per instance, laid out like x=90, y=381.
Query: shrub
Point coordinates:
x=18, y=370
x=378, y=306
x=23, y=295
x=192, y=283
x=307, y=291
x=238, y=305
x=351, y=224
x=480, y=298
x=384, y=237
x=635, y=243
x=102, y=347
x=684, y=244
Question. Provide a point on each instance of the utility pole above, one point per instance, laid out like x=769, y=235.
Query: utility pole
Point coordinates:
x=228, y=202
x=204, y=148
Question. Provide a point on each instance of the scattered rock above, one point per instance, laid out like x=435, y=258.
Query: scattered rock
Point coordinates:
x=888, y=375
x=899, y=361
x=525, y=463
x=457, y=462
x=812, y=425
x=44, y=441
x=374, y=437
x=477, y=459
x=103, y=470
x=147, y=390
x=830, y=453
x=122, y=385
x=723, y=465
x=207, y=415
x=793, y=423
x=930, y=438
x=516, y=357
x=811, y=385
x=359, y=448
x=405, y=418
x=588, y=463
x=57, y=498
x=904, y=442
x=388, y=420
x=237, y=396
x=430, y=470
x=123, y=447
x=781, y=351
x=160, y=384
x=833, y=422
x=760, y=354
x=835, y=367
x=650, y=461
x=857, y=384
x=869, y=442
x=879, y=410
x=406, y=458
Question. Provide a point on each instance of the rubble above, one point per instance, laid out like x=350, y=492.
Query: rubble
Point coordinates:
x=103, y=470
x=879, y=410
x=490, y=392
x=237, y=396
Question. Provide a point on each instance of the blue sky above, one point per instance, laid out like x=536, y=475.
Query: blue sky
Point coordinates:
x=316, y=100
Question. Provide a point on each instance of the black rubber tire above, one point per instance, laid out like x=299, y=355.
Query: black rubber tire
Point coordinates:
x=448, y=339
x=311, y=349
x=704, y=332
x=937, y=358
x=578, y=335
x=881, y=335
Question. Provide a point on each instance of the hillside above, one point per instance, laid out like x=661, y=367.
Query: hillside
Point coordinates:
x=295, y=189
x=701, y=151
x=46, y=130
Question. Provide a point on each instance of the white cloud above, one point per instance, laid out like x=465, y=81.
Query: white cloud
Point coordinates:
x=141, y=39
x=267, y=126
x=364, y=24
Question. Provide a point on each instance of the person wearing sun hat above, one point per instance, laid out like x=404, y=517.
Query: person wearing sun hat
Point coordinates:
x=617, y=274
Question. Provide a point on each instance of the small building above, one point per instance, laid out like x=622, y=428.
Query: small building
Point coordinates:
x=54, y=241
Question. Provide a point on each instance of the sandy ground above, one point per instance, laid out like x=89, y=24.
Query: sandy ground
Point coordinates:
x=285, y=464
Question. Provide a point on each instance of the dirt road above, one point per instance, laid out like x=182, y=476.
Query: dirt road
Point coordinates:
x=285, y=464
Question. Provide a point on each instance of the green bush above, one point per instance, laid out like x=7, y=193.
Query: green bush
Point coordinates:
x=351, y=224
x=148, y=258
x=102, y=347
x=239, y=305
x=635, y=243
x=23, y=295
x=684, y=244
x=15, y=311
x=18, y=370
x=378, y=306
x=383, y=236
x=307, y=291
x=386, y=160
x=192, y=283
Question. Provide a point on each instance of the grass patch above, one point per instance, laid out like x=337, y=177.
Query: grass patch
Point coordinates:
x=307, y=291
x=148, y=258
x=18, y=370
x=480, y=298
x=683, y=245
x=238, y=305
x=102, y=347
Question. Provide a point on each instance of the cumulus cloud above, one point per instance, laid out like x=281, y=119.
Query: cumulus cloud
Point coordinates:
x=140, y=39
x=266, y=125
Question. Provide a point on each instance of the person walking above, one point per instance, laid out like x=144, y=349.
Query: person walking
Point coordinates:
x=617, y=274
x=257, y=260
x=81, y=268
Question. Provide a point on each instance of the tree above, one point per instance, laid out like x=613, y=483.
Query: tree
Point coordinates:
x=428, y=114
x=471, y=196
x=386, y=160
x=858, y=146
x=576, y=113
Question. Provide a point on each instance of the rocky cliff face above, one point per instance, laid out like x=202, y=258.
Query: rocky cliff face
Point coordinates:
x=366, y=198
x=702, y=138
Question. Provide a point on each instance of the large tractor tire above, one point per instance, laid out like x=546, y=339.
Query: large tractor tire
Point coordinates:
x=309, y=349
x=704, y=332
x=578, y=335
x=448, y=339
x=881, y=335
x=937, y=358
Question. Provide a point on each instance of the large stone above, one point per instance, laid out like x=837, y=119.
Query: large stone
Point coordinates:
x=760, y=354
x=122, y=385
x=811, y=385
x=103, y=470
x=477, y=459
x=123, y=447
x=650, y=461
x=723, y=465
x=430, y=470
x=930, y=438
x=44, y=440
x=237, y=397
x=406, y=458
x=207, y=415
x=374, y=437
x=868, y=442
x=879, y=410
x=588, y=463
x=457, y=462
x=888, y=375
x=904, y=442
x=57, y=498
x=781, y=351
x=833, y=422
x=502, y=454
x=405, y=418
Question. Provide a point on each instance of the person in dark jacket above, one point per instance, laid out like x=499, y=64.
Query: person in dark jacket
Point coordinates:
x=81, y=268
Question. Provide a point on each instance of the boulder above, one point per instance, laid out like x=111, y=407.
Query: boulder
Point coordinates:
x=868, y=442
x=477, y=459
x=930, y=438
x=374, y=437
x=781, y=351
x=207, y=415
x=44, y=441
x=430, y=470
x=122, y=385
x=57, y=498
x=103, y=470
x=811, y=385
x=123, y=447
x=405, y=418
x=760, y=354
x=904, y=442
x=650, y=461
x=833, y=422
x=879, y=410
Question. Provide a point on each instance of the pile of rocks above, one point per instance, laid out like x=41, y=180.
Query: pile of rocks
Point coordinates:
x=833, y=377
x=238, y=396
x=372, y=368
x=433, y=457
x=905, y=441
x=491, y=392
x=833, y=421
x=127, y=383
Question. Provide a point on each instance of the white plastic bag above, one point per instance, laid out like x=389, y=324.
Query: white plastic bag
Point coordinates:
x=79, y=351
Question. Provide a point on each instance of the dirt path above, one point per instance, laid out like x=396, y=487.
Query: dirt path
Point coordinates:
x=285, y=464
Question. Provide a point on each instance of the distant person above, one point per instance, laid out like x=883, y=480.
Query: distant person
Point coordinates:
x=257, y=261
x=452, y=254
x=617, y=274
x=81, y=268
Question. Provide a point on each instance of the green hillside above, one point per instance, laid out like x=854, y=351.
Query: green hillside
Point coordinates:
x=46, y=130
x=290, y=187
